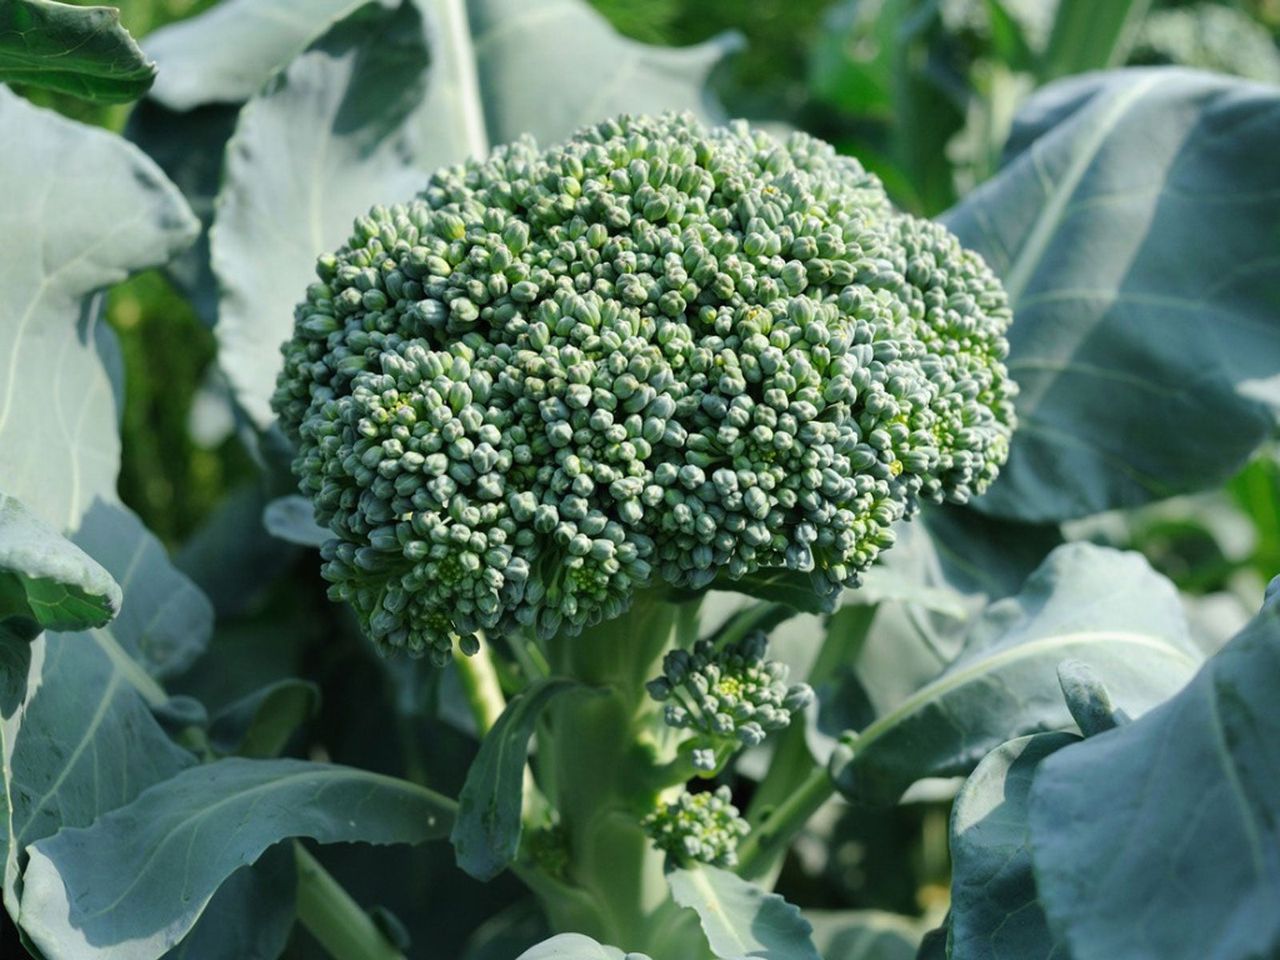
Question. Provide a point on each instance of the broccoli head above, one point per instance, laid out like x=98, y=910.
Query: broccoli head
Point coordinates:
x=656, y=354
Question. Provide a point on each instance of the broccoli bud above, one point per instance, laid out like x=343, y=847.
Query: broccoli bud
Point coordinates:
x=705, y=827
x=731, y=698
x=655, y=354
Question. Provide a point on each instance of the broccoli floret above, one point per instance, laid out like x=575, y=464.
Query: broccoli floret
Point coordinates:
x=730, y=698
x=655, y=354
x=1209, y=37
x=705, y=827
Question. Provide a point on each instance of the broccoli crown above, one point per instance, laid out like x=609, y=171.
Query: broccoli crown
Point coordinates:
x=653, y=354
x=698, y=826
x=731, y=695
x=1209, y=37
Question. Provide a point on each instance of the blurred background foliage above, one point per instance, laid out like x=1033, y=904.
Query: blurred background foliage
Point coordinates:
x=923, y=92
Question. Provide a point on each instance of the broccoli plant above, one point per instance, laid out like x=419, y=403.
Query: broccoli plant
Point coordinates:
x=649, y=541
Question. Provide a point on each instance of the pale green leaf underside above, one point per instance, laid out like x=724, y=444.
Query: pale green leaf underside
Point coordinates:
x=1134, y=228
x=228, y=52
x=82, y=210
x=108, y=891
x=575, y=946
x=741, y=920
x=83, y=51
x=1161, y=838
x=64, y=587
x=1107, y=609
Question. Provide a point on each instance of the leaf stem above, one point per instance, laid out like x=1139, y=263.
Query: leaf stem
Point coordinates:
x=340, y=924
x=480, y=685
x=768, y=841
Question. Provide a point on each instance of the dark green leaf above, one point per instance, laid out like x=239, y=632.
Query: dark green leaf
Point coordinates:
x=47, y=582
x=82, y=209
x=72, y=706
x=1106, y=608
x=790, y=587
x=1113, y=180
x=251, y=915
x=259, y=725
x=109, y=887
x=740, y=920
x=1161, y=838
x=486, y=835
x=83, y=51
x=995, y=912
x=165, y=622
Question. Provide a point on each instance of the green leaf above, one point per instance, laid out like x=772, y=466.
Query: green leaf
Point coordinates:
x=575, y=946
x=1161, y=838
x=1105, y=608
x=1091, y=35
x=227, y=53
x=1112, y=182
x=76, y=739
x=82, y=210
x=259, y=725
x=740, y=919
x=83, y=51
x=251, y=915
x=292, y=519
x=329, y=137
x=47, y=582
x=165, y=621
x=864, y=934
x=366, y=114
x=995, y=911
x=486, y=835
x=109, y=888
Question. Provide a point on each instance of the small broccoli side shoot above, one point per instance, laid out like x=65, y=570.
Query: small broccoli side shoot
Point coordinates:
x=703, y=827
x=729, y=698
x=653, y=355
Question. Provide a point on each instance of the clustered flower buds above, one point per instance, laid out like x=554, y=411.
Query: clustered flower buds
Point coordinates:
x=653, y=354
x=704, y=827
x=732, y=695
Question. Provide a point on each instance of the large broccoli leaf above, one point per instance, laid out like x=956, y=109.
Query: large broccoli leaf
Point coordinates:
x=1134, y=229
x=1161, y=839
x=82, y=210
x=1106, y=608
x=108, y=887
x=83, y=51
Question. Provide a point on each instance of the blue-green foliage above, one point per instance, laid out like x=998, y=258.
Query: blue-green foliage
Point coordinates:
x=654, y=354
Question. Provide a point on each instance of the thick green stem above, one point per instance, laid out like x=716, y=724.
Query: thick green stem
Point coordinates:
x=598, y=756
x=340, y=924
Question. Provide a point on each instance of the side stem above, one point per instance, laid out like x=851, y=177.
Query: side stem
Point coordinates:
x=340, y=924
